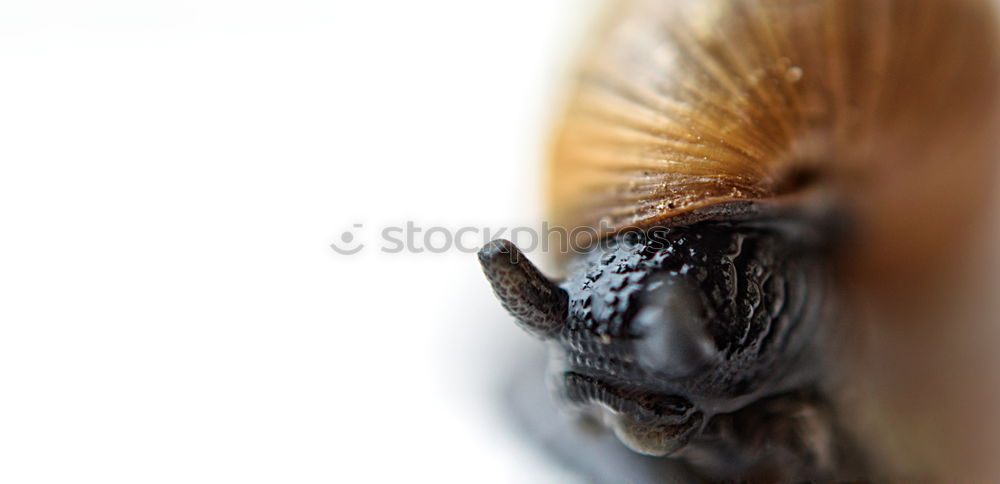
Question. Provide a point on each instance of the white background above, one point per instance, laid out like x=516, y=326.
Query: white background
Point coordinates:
x=171, y=176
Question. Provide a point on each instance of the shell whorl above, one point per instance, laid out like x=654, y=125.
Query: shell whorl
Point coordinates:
x=680, y=107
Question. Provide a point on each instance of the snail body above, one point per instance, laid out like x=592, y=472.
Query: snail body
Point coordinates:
x=748, y=165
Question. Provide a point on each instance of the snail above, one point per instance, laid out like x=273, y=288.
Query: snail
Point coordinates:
x=750, y=170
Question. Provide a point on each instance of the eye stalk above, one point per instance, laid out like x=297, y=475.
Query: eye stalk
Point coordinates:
x=674, y=340
x=538, y=304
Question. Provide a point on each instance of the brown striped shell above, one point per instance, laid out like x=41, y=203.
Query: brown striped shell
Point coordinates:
x=686, y=110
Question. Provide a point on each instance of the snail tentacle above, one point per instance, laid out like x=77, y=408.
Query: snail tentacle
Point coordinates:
x=538, y=304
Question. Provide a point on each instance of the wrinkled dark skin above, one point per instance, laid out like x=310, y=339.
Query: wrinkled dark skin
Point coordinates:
x=703, y=342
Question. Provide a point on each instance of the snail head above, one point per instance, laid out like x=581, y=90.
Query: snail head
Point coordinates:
x=657, y=332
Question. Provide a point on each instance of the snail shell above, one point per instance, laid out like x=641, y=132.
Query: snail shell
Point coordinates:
x=727, y=109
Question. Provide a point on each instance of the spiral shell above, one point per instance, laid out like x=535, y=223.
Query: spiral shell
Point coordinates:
x=686, y=110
